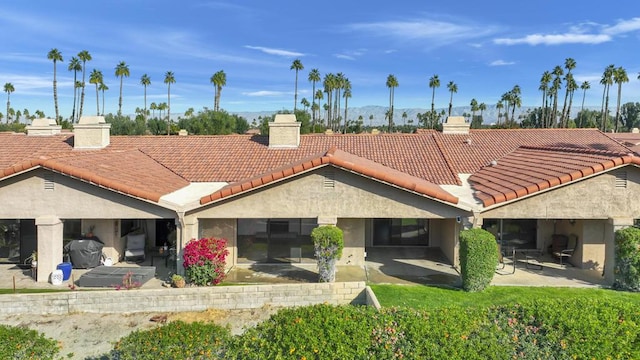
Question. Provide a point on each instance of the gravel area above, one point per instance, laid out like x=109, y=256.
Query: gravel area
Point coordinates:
x=89, y=335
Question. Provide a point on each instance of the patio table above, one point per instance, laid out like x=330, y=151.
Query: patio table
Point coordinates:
x=532, y=255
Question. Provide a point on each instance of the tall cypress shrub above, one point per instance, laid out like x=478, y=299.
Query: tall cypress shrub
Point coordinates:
x=478, y=258
x=328, y=243
x=627, y=265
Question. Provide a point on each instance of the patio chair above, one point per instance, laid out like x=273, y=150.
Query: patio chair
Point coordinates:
x=563, y=247
x=135, y=247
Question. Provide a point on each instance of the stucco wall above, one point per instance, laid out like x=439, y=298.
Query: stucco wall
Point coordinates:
x=353, y=231
x=222, y=228
x=593, y=198
x=306, y=196
x=446, y=231
x=70, y=199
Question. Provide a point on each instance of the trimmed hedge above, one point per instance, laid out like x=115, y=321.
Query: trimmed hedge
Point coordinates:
x=21, y=343
x=328, y=242
x=627, y=253
x=478, y=258
x=539, y=329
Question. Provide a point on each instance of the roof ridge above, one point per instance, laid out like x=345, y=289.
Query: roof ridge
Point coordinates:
x=575, y=150
x=445, y=156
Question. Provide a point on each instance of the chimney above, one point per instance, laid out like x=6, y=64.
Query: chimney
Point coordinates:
x=43, y=127
x=455, y=125
x=91, y=132
x=284, y=132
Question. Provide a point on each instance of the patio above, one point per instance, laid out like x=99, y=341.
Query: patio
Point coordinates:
x=384, y=265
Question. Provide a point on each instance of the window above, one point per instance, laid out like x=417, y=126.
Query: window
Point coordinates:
x=401, y=232
x=516, y=233
x=275, y=240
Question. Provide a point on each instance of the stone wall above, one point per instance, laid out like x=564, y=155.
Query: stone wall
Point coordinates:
x=188, y=299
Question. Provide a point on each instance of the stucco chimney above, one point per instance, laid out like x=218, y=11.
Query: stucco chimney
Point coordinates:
x=455, y=125
x=91, y=132
x=43, y=127
x=284, y=132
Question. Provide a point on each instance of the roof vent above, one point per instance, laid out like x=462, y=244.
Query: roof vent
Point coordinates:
x=635, y=131
x=43, y=127
x=91, y=132
x=284, y=132
x=455, y=125
x=467, y=141
x=493, y=163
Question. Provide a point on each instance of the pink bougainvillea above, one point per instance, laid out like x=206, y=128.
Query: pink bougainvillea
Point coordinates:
x=205, y=260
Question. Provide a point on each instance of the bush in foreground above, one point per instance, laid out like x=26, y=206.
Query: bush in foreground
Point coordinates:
x=21, y=343
x=541, y=329
x=627, y=265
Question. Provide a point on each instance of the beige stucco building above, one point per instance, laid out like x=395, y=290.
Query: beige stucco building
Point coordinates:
x=265, y=194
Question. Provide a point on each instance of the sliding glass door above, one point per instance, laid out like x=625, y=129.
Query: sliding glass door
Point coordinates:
x=275, y=240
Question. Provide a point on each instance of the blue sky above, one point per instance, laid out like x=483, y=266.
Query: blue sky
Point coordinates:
x=485, y=47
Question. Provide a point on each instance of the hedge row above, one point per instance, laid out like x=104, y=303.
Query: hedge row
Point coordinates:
x=542, y=329
x=22, y=343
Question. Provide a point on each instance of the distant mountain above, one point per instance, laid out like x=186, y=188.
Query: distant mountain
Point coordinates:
x=490, y=115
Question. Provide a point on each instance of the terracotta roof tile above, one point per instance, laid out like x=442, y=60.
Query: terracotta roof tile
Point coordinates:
x=529, y=170
x=343, y=160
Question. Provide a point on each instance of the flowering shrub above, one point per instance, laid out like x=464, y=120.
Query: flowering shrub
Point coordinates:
x=204, y=261
x=128, y=282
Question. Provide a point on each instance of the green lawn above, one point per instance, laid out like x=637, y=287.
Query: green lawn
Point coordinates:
x=429, y=297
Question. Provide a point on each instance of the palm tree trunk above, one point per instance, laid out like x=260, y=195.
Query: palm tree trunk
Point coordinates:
x=606, y=109
x=120, y=99
x=55, y=92
x=75, y=93
x=82, y=92
x=618, y=107
x=97, y=101
x=102, y=102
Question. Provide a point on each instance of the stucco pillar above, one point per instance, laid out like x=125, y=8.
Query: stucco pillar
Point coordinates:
x=49, y=246
x=611, y=227
x=353, y=231
x=327, y=220
x=186, y=229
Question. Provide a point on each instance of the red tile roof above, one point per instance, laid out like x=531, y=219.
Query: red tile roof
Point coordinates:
x=529, y=170
x=340, y=159
x=152, y=166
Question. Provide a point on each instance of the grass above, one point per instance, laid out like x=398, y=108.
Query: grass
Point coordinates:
x=31, y=291
x=429, y=297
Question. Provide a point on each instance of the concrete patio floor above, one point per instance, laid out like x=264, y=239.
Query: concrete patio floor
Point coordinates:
x=410, y=265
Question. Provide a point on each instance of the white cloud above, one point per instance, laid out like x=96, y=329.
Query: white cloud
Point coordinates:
x=557, y=39
x=501, y=63
x=272, y=51
x=344, y=57
x=623, y=26
x=437, y=31
x=262, y=93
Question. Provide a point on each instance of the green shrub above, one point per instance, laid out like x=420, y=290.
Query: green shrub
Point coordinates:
x=328, y=243
x=312, y=332
x=627, y=254
x=21, y=343
x=175, y=340
x=478, y=258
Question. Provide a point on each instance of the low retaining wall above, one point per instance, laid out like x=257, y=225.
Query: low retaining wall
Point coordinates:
x=188, y=299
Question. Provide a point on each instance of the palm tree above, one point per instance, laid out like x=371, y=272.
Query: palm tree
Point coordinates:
x=607, y=81
x=84, y=56
x=219, y=79
x=474, y=108
x=434, y=82
x=544, y=87
x=102, y=87
x=122, y=71
x=619, y=77
x=404, y=119
x=555, y=87
x=153, y=108
x=392, y=83
x=55, y=56
x=96, y=78
x=297, y=66
x=347, y=95
x=569, y=64
x=75, y=66
x=516, y=100
x=328, y=85
x=8, y=88
x=314, y=77
x=453, y=88
x=145, y=81
x=572, y=85
x=169, y=79
x=584, y=87
x=499, y=106
x=319, y=95
x=482, y=107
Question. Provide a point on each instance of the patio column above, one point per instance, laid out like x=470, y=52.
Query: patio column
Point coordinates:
x=611, y=227
x=49, y=246
x=327, y=220
x=186, y=229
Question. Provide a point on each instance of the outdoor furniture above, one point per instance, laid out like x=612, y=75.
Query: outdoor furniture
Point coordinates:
x=112, y=276
x=135, y=247
x=506, y=252
x=532, y=258
x=563, y=246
